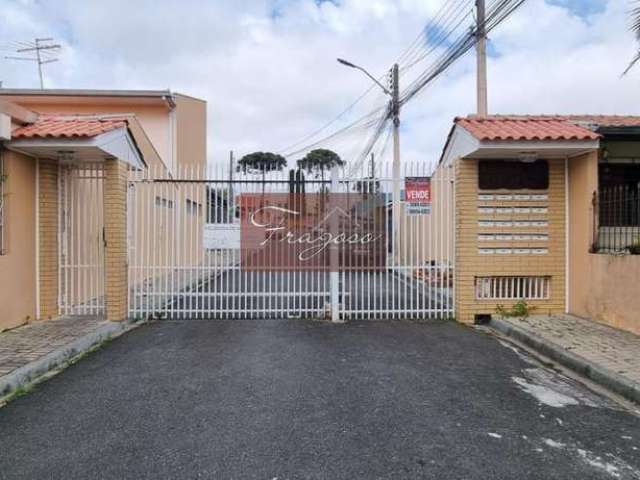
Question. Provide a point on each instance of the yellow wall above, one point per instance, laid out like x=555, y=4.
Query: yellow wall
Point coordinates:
x=470, y=263
x=17, y=266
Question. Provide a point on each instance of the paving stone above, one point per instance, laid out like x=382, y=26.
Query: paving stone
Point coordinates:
x=608, y=347
x=35, y=340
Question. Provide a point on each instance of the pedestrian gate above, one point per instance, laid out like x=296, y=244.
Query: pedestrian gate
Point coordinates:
x=81, y=241
x=185, y=257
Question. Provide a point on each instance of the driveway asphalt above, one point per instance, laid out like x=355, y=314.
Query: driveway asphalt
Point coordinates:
x=256, y=294
x=294, y=399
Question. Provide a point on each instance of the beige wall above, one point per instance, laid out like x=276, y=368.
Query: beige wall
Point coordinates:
x=168, y=137
x=17, y=266
x=609, y=291
x=179, y=136
x=153, y=114
x=469, y=263
x=191, y=130
x=583, y=182
x=602, y=287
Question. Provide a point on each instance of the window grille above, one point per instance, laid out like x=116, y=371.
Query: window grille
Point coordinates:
x=617, y=219
x=512, y=288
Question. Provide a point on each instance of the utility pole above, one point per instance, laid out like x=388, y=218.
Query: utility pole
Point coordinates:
x=395, y=115
x=41, y=45
x=481, y=49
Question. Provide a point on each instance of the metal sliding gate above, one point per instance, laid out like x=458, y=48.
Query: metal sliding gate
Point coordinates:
x=80, y=239
x=185, y=259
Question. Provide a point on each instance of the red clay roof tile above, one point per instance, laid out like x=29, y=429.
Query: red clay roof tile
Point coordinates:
x=69, y=126
x=514, y=128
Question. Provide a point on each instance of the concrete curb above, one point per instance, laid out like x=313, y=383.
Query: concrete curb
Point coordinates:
x=624, y=387
x=30, y=372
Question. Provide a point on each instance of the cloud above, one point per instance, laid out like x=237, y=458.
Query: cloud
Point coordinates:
x=268, y=72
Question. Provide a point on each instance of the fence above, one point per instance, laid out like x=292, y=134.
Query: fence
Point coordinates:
x=617, y=219
x=185, y=250
x=81, y=253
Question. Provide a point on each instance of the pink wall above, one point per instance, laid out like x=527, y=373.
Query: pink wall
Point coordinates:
x=17, y=266
x=601, y=287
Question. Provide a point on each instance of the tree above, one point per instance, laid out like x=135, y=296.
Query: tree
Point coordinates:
x=320, y=160
x=635, y=27
x=261, y=163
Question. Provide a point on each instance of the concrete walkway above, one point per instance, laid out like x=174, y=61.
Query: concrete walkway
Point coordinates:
x=31, y=350
x=606, y=355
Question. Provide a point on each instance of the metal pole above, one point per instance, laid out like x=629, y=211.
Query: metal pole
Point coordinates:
x=39, y=63
x=395, y=111
x=481, y=47
x=230, y=199
x=334, y=275
x=372, y=167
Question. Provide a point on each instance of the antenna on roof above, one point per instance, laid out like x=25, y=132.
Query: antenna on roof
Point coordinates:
x=45, y=52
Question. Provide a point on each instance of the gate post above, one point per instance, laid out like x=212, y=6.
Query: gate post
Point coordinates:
x=49, y=236
x=115, y=239
x=334, y=275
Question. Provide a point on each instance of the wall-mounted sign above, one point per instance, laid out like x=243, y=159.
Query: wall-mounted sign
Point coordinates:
x=222, y=236
x=417, y=195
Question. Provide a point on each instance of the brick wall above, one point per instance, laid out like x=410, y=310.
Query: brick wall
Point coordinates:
x=470, y=263
x=48, y=225
x=115, y=226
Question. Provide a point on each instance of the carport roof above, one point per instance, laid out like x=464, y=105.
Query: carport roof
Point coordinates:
x=83, y=138
x=69, y=126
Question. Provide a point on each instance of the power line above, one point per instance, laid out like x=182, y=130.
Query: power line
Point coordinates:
x=497, y=13
x=436, y=32
x=455, y=20
x=363, y=122
x=447, y=21
x=418, y=42
x=408, y=53
x=45, y=52
x=329, y=123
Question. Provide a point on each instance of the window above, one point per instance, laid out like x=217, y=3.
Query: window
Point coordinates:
x=163, y=202
x=3, y=232
x=193, y=208
x=513, y=175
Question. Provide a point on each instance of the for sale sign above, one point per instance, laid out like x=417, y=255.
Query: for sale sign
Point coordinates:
x=418, y=195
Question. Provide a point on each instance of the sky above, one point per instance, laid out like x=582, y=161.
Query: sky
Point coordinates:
x=268, y=70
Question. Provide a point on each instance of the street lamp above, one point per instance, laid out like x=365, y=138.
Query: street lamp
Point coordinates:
x=351, y=65
x=395, y=115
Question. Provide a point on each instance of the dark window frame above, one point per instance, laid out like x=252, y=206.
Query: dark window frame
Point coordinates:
x=494, y=174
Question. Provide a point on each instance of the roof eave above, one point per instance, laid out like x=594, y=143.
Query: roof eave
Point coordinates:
x=539, y=148
x=166, y=95
x=118, y=143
